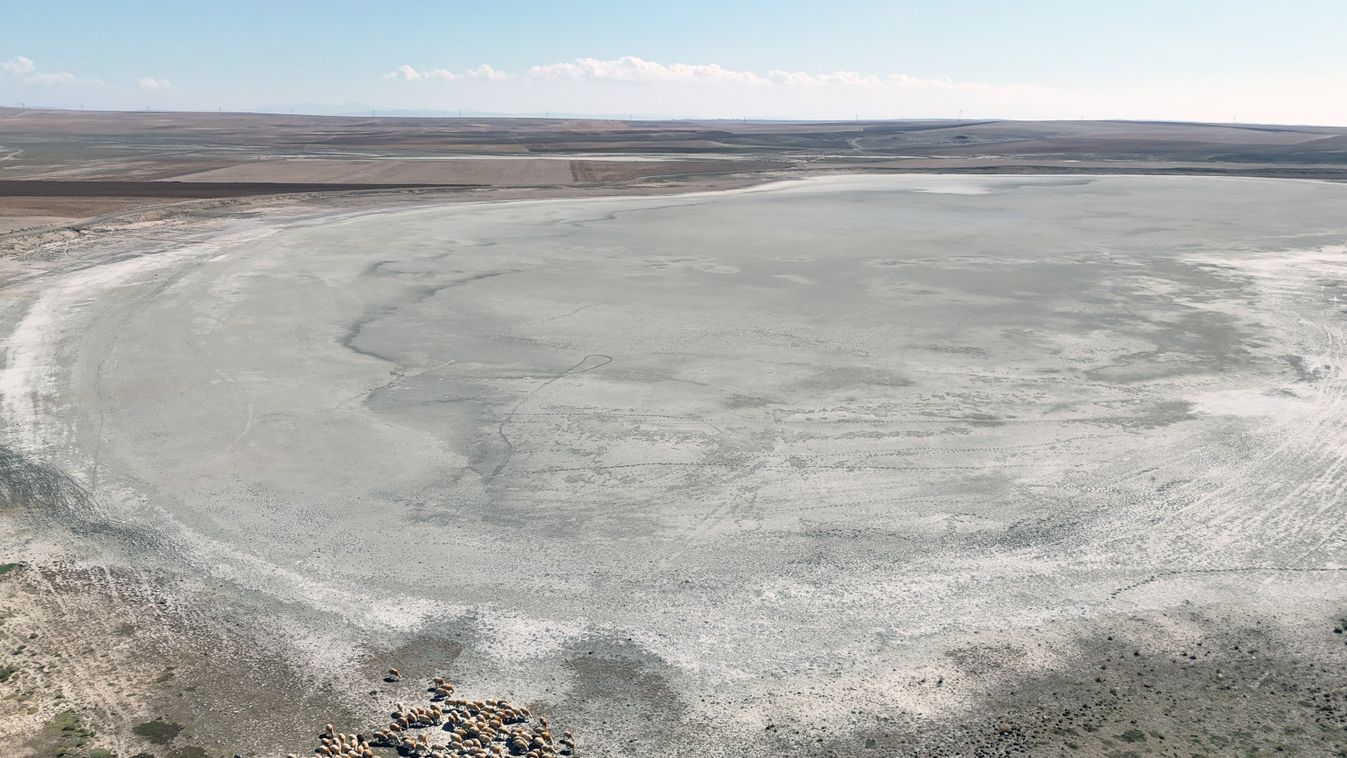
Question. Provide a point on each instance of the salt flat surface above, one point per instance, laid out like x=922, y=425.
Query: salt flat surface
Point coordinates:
x=783, y=442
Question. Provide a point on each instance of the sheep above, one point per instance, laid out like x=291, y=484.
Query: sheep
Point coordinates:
x=394, y=675
x=490, y=728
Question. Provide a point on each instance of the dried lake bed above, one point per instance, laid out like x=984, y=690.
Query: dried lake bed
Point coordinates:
x=747, y=472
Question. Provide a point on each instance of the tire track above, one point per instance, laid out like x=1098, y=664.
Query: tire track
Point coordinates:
x=588, y=363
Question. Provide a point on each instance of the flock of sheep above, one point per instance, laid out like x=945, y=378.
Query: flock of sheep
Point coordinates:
x=449, y=727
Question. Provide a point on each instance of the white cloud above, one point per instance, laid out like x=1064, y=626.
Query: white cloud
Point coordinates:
x=635, y=85
x=25, y=71
x=150, y=83
x=486, y=72
x=631, y=84
x=409, y=74
x=54, y=77
x=18, y=66
x=843, y=78
x=632, y=69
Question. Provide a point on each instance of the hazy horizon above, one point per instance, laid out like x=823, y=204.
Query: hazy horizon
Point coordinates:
x=361, y=110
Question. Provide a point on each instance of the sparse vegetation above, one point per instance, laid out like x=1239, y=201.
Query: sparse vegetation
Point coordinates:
x=64, y=736
x=1133, y=735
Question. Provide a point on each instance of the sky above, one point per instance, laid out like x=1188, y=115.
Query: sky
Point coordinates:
x=1189, y=60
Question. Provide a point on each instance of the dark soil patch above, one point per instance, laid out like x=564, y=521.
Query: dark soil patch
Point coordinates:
x=1232, y=692
x=158, y=731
